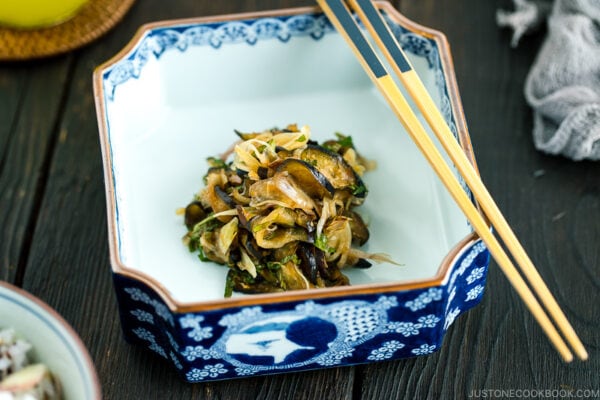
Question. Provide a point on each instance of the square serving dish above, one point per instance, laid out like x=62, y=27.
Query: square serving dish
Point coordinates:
x=172, y=97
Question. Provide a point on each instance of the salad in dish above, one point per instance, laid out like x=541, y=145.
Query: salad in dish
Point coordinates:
x=280, y=210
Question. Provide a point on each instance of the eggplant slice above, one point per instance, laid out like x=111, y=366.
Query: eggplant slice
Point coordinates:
x=335, y=168
x=312, y=181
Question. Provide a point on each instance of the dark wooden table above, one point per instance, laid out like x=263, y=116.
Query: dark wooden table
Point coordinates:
x=53, y=236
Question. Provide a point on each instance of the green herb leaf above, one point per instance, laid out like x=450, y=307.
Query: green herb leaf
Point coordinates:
x=273, y=265
x=229, y=285
x=192, y=244
x=356, y=190
x=321, y=243
x=344, y=141
x=206, y=225
x=302, y=138
x=293, y=258
x=201, y=254
x=259, y=227
x=247, y=278
x=215, y=162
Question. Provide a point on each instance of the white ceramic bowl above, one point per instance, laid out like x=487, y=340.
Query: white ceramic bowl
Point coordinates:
x=54, y=342
x=173, y=97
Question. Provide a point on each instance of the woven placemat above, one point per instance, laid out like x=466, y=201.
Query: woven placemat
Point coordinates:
x=93, y=20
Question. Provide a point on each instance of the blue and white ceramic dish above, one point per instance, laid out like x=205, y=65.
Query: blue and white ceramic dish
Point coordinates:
x=172, y=98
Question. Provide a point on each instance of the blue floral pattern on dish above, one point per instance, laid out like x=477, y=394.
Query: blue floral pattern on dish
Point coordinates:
x=246, y=341
x=215, y=35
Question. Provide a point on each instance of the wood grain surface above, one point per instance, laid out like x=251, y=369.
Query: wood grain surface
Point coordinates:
x=53, y=235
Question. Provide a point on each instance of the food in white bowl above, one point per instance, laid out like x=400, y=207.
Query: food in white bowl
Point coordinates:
x=46, y=355
x=19, y=378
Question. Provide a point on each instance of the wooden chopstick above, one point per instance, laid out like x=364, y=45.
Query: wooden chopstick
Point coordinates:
x=343, y=21
x=386, y=41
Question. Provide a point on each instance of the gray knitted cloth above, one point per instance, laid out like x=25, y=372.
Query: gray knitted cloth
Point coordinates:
x=563, y=85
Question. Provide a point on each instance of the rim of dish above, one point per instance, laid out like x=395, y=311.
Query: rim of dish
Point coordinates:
x=118, y=267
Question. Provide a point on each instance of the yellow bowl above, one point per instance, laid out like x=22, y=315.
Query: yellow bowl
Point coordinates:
x=37, y=13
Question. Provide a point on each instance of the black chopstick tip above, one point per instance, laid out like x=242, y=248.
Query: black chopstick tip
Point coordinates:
x=374, y=17
x=350, y=27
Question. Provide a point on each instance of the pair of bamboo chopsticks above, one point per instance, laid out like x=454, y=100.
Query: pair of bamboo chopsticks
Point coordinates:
x=339, y=14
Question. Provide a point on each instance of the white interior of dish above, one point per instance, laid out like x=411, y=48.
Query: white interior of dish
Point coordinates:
x=183, y=108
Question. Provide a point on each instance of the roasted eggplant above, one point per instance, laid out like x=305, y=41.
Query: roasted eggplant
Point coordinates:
x=312, y=181
x=335, y=168
x=281, y=215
